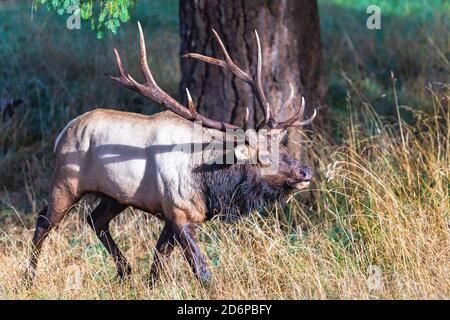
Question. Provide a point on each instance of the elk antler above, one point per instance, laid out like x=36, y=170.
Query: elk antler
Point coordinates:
x=255, y=83
x=151, y=90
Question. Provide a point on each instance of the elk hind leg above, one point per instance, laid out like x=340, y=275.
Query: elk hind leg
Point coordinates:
x=99, y=221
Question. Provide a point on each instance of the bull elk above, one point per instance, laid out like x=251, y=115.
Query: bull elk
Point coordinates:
x=129, y=159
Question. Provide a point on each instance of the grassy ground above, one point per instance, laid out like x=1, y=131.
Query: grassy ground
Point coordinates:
x=379, y=224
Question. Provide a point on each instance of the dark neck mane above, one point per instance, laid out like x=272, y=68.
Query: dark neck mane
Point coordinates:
x=236, y=190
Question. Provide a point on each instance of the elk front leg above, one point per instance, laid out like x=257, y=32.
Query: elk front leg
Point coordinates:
x=185, y=233
x=164, y=248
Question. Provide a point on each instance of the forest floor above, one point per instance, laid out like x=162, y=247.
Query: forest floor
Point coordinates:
x=375, y=224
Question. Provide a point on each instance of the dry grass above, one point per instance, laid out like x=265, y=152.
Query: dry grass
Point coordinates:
x=376, y=227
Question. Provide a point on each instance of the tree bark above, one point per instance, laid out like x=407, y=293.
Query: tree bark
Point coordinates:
x=290, y=39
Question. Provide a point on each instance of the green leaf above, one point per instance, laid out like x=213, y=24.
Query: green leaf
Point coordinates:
x=100, y=34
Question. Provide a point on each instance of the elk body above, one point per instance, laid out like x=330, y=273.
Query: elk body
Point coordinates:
x=151, y=163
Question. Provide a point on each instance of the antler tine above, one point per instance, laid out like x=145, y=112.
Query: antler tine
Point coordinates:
x=222, y=46
x=286, y=103
x=305, y=122
x=119, y=63
x=259, y=64
x=144, y=63
x=258, y=85
x=294, y=118
x=191, y=104
x=247, y=117
x=122, y=78
x=230, y=64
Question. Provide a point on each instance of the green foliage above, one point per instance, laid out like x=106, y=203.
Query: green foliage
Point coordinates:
x=103, y=15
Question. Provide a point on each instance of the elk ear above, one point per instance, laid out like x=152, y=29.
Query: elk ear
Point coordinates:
x=242, y=152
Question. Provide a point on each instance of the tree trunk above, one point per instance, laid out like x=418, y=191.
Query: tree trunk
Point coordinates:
x=290, y=39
